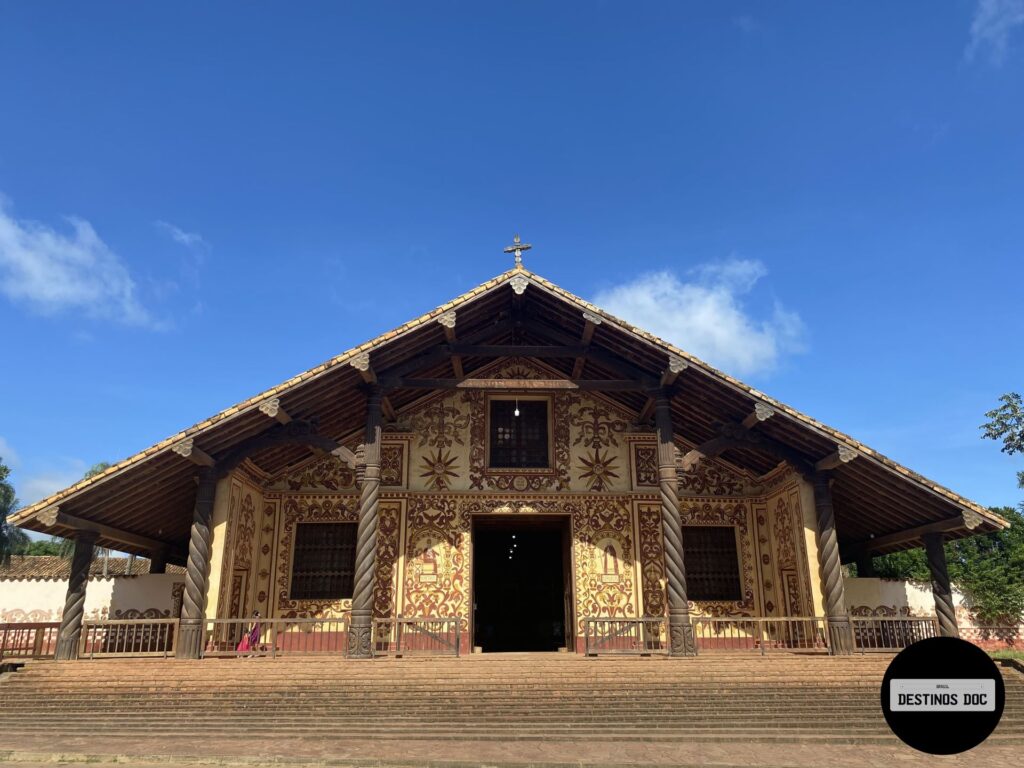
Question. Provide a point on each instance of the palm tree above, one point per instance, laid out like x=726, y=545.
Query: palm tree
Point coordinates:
x=12, y=539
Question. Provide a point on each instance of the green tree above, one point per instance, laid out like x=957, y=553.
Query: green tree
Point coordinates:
x=51, y=548
x=1006, y=423
x=95, y=469
x=989, y=568
x=12, y=539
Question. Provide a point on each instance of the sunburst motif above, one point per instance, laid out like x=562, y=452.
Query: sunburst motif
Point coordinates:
x=600, y=470
x=439, y=467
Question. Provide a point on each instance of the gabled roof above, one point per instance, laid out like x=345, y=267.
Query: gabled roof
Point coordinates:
x=151, y=493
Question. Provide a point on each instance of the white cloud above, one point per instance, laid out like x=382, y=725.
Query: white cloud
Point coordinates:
x=52, y=271
x=180, y=236
x=705, y=315
x=8, y=454
x=41, y=485
x=993, y=23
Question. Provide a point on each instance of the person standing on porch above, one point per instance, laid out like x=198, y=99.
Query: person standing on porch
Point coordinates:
x=250, y=642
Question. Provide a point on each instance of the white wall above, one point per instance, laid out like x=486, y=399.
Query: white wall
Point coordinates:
x=146, y=596
x=874, y=596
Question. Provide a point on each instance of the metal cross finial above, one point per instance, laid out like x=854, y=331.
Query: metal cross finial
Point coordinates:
x=517, y=248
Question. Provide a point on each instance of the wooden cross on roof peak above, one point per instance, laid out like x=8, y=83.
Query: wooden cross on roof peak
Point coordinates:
x=517, y=248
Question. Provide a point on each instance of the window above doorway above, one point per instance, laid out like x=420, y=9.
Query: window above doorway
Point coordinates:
x=519, y=441
x=324, y=561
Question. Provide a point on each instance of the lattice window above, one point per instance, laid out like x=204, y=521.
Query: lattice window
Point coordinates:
x=519, y=441
x=712, y=564
x=324, y=562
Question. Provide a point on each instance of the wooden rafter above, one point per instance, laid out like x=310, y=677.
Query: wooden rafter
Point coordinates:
x=188, y=449
x=590, y=323
x=52, y=516
x=676, y=365
x=587, y=385
x=855, y=549
x=361, y=363
x=275, y=410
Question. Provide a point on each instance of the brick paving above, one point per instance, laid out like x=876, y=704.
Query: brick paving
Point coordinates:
x=38, y=752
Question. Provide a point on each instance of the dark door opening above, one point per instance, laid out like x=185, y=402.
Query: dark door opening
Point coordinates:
x=520, y=582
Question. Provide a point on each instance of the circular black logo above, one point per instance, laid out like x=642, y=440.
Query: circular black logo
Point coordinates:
x=942, y=695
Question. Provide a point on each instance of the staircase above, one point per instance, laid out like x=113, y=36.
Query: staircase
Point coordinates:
x=504, y=697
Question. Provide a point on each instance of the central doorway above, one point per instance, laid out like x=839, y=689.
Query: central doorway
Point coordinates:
x=522, y=583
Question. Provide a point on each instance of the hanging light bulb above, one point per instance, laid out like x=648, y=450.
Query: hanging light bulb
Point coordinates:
x=516, y=411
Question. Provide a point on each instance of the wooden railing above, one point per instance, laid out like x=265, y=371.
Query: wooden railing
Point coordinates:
x=890, y=633
x=110, y=638
x=630, y=637
x=276, y=637
x=445, y=637
x=427, y=636
x=762, y=635
x=28, y=640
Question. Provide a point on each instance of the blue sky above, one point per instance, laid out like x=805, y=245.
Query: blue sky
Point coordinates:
x=198, y=202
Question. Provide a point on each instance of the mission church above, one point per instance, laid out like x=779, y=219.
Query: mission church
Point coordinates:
x=522, y=466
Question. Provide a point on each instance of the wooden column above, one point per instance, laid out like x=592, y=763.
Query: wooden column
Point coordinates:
x=840, y=632
x=681, y=640
x=197, y=571
x=74, y=603
x=865, y=565
x=941, y=590
x=360, y=625
x=158, y=561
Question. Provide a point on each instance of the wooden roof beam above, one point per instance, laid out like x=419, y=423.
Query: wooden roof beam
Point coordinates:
x=676, y=365
x=587, y=385
x=188, y=449
x=361, y=363
x=590, y=323
x=274, y=410
x=345, y=455
x=841, y=455
x=613, y=362
x=966, y=519
x=447, y=322
x=760, y=413
x=53, y=516
x=738, y=436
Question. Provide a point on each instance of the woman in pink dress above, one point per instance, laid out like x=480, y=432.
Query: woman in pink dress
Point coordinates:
x=250, y=641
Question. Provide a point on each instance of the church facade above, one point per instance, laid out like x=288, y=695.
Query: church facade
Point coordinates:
x=523, y=466
x=445, y=495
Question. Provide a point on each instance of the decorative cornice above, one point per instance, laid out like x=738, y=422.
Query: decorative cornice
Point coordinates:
x=972, y=519
x=361, y=362
x=447, y=319
x=519, y=284
x=184, y=448
x=763, y=412
x=676, y=364
x=846, y=453
x=49, y=515
x=271, y=407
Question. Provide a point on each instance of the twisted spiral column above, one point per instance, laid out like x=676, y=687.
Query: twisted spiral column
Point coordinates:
x=840, y=631
x=74, y=604
x=359, y=633
x=197, y=570
x=681, y=640
x=941, y=590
